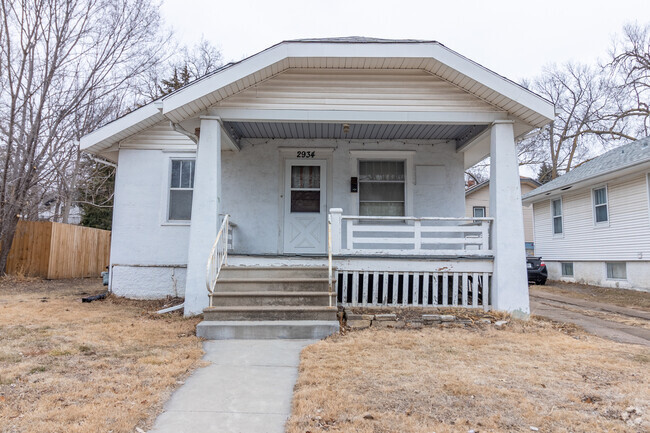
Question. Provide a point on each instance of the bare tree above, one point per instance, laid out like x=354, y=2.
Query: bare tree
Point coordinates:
x=585, y=102
x=630, y=68
x=59, y=58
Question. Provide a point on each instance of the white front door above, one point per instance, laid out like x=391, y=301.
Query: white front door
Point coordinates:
x=305, y=207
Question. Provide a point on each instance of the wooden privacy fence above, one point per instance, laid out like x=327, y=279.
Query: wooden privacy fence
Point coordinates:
x=55, y=250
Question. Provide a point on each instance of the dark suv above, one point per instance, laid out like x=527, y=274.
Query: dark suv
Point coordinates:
x=537, y=272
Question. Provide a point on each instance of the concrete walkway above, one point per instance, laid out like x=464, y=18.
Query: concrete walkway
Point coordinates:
x=247, y=388
x=556, y=307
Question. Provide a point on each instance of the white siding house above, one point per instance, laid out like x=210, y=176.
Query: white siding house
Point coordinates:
x=477, y=204
x=344, y=154
x=592, y=225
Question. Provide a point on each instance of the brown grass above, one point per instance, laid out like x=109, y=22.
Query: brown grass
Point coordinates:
x=621, y=297
x=67, y=366
x=454, y=379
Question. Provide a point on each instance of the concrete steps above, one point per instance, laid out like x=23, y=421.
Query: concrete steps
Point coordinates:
x=270, y=302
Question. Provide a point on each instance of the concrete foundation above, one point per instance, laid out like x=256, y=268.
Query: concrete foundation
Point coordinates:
x=266, y=330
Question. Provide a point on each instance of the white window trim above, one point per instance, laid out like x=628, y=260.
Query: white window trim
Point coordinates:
x=393, y=155
x=647, y=181
x=593, y=206
x=479, y=207
x=557, y=235
x=164, y=210
x=615, y=279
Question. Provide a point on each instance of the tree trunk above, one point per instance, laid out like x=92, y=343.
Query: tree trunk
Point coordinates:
x=8, y=230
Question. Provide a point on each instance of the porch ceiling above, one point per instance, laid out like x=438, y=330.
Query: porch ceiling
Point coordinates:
x=374, y=131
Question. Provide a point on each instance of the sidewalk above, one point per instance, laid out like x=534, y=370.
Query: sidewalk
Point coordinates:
x=247, y=388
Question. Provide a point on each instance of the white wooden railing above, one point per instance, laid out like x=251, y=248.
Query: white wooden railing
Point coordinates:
x=409, y=236
x=218, y=254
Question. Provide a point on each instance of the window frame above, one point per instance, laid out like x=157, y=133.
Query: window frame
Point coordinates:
x=168, y=190
x=572, y=274
x=606, y=204
x=475, y=208
x=607, y=273
x=361, y=160
x=386, y=155
x=561, y=216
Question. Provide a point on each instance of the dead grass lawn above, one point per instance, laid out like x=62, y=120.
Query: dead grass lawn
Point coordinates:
x=455, y=379
x=105, y=366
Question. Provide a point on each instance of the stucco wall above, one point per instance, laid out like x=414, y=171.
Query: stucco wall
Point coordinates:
x=595, y=273
x=252, y=193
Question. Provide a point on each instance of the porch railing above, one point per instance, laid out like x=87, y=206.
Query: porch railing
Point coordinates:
x=218, y=254
x=409, y=236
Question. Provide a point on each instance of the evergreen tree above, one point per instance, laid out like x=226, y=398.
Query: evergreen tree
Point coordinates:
x=545, y=173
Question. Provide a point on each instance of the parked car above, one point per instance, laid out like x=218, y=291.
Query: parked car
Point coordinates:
x=537, y=272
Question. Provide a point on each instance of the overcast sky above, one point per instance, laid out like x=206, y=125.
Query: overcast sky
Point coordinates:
x=513, y=38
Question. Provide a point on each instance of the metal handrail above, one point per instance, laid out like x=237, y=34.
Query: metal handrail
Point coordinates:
x=329, y=257
x=218, y=256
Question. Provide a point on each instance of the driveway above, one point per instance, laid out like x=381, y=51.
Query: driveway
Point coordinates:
x=617, y=323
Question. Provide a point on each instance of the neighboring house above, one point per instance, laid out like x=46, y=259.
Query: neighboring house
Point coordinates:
x=477, y=204
x=592, y=225
x=372, y=135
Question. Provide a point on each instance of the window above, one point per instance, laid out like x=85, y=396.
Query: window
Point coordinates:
x=181, y=187
x=600, y=205
x=381, y=188
x=479, y=211
x=616, y=271
x=567, y=269
x=305, y=188
x=556, y=212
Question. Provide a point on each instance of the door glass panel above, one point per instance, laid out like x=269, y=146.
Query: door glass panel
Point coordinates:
x=305, y=201
x=305, y=176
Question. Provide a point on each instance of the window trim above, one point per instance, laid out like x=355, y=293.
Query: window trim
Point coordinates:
x=572, y=269
x=593, y=205
x=479, y=207
x=167, y=190
x=391, y=155
x=607, y=277
x=561, y=216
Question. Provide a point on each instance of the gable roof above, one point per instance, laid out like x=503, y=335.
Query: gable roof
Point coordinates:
x=522, y=179
x=343, y=53
x=624, y=157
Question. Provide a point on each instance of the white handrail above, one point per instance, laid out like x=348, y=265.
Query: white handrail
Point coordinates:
x=218, y=255
x=329, y=256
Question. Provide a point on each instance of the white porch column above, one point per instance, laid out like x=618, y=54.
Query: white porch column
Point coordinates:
x=205, y=213
x=510, y=279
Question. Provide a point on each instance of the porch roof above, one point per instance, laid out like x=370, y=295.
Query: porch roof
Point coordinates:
x=527, y=108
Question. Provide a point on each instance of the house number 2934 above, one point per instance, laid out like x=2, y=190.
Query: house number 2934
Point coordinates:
x=305, y=154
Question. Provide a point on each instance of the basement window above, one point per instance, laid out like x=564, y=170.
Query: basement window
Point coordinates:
x=382, y=188
x=616, y=271
x=181, y=189
x=567, y=269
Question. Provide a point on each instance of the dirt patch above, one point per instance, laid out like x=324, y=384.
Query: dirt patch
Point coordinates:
x=68, y=366
x=525, y=374
x=621, y=297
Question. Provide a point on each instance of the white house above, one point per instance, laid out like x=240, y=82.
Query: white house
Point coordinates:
x=592, y=225
x=364, y=139
x=477, y=204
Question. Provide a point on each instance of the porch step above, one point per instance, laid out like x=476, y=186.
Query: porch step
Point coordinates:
x=271, y=298
x=264, y=330
x=273, y=272
x=265, y=313
x=303, y=284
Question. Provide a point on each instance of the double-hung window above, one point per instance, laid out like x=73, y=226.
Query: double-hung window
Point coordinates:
x=601, y=214
x=382, y=188
x=181, y=188
x=556, y=213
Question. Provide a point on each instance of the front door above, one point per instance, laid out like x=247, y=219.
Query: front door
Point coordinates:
x=305, y=207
